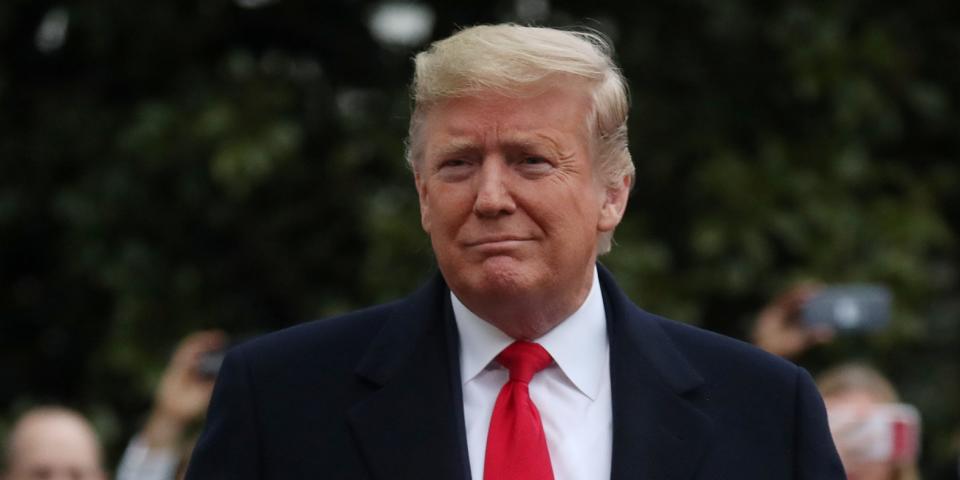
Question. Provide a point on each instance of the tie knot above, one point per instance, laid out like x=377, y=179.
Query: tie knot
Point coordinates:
x=524, y=359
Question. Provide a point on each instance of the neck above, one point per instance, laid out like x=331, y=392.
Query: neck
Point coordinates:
x=529, y=316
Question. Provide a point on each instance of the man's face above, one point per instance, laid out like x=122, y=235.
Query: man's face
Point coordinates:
x=509, y=195
x=54, y=448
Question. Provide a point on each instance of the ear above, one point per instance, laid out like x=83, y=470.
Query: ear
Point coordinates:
x=614, y=204
x=424, y=205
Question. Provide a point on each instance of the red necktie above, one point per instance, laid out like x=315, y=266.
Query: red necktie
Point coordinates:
x=516, y=444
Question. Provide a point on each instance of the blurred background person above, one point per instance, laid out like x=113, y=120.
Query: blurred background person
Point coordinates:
x=875, y=434
x=159, y=450
x=52, y=443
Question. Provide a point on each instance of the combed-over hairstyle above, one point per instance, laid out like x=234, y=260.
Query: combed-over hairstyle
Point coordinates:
x=515, y=60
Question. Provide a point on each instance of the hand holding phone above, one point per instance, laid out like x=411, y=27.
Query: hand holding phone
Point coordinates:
x=849, y=308
x=779, y=328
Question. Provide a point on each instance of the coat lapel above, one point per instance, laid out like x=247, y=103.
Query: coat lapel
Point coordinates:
x=412, y=425
x=659, y=432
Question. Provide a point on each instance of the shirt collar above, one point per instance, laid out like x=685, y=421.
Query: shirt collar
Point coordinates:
x=578, y=345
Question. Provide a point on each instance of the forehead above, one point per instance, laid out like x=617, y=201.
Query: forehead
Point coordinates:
x=54, y=440
x=557, y=113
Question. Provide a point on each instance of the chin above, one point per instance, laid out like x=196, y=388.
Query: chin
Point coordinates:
x=493, y=277
x=505, y=275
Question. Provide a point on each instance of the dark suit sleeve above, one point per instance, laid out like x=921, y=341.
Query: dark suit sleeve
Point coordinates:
x=229, y=445
x=816, y=456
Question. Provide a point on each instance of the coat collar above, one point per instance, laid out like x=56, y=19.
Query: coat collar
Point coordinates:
x=412, y=426
x=659, y=431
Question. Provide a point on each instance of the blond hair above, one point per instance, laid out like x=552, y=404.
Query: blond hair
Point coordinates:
x=515, y=60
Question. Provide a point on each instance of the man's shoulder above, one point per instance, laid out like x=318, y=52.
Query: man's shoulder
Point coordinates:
x=340, y=343
x=344, y=337
x=716, y=354
x=711, y=355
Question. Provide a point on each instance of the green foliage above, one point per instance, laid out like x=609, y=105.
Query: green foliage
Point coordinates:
x=172, y=167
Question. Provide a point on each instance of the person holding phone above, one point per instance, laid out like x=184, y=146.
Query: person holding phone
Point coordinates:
x=876, y=435
x=158, y=450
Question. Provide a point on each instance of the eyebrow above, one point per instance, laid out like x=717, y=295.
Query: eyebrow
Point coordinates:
x=454, y=146
x=462, y=145
x=537, y=139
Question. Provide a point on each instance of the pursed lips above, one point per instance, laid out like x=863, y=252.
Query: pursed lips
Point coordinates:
x=501, y=240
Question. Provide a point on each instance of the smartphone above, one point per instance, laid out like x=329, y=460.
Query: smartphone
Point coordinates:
x=849, y=308
x=209, y=364
x=887, y=432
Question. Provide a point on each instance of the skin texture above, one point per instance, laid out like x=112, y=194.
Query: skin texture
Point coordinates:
x=513, y=206
x=53, y=445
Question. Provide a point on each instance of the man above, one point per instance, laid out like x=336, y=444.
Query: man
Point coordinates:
x=521, y=358
x=52, y=443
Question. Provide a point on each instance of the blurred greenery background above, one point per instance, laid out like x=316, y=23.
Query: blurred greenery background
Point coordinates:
x=176, y=165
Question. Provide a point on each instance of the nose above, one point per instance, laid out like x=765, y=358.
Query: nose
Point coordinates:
x=494, y=197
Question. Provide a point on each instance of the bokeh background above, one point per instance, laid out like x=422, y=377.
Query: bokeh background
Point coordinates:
x=175, y=165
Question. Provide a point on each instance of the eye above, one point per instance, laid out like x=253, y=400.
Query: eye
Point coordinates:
x=453, y=162
x=533, y=164
x=450, y=165
x=454, y=169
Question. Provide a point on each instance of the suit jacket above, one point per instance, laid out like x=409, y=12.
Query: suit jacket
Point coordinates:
x=376, y=394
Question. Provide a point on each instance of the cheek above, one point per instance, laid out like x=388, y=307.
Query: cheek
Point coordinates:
x=567, y=221
x=448, y=209
x=580, y=212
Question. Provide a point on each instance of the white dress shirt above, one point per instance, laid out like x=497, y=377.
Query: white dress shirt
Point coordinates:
x=139, y=462
x=572, y=394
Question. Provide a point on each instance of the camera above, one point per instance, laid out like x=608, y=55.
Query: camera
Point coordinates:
x=209, y=364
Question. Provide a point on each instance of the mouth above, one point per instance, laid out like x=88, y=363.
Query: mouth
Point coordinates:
x=497, y=241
